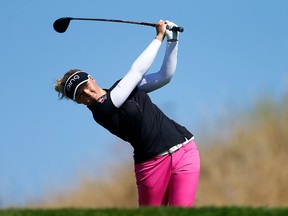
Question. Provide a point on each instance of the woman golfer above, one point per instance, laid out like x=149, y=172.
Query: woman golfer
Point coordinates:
x=166, y=159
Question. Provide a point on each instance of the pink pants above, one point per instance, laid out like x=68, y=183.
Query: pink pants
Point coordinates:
x=170, y=179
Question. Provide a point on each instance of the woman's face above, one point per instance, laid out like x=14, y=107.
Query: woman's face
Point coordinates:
x=86, y=94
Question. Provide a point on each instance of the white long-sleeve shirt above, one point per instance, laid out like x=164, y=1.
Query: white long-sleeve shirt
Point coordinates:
x=137, y=76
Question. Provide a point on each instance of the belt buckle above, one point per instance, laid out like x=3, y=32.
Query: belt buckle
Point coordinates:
x=174, y=148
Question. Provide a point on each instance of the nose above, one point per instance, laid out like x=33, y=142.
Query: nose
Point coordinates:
x=90, y=93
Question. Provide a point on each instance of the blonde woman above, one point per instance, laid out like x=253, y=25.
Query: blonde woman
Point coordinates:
x=166, y=159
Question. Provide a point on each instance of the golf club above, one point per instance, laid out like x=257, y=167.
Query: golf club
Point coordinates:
x=61, y=24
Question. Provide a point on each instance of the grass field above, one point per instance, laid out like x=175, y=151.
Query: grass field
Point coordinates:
x=203, y=211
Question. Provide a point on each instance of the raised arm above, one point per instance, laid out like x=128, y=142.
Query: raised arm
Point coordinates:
x=153, y=81
x=138, y=69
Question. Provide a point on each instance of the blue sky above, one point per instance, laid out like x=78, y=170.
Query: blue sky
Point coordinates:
x=231, y=53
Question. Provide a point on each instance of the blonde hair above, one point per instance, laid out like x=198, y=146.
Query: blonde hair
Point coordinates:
x=60, y=83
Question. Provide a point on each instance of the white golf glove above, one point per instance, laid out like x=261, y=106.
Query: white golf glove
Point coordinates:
x=171, y=35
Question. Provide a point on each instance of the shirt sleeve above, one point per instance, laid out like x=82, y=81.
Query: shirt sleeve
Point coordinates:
x=138, y=69
x=153, y=81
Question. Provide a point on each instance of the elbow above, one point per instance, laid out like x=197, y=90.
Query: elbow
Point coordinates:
x=166, y=81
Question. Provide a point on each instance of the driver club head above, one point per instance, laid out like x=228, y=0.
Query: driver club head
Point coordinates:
x=61, y=24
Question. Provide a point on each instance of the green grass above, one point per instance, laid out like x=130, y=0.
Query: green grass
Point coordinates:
x=203, y=211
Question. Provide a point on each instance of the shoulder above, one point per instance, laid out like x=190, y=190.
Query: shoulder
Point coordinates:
x=113, y=86
x=103, y=106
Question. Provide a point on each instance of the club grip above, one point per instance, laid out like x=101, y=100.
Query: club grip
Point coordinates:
x=177, y=28
x=174, y=28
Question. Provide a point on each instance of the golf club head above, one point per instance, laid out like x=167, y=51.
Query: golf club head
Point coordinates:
x=61, y=24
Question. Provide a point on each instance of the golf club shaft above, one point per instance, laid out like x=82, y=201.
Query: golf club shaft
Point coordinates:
x=115, y=20
x=179, y=29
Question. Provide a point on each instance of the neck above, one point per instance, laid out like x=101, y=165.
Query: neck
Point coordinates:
x=100, y=93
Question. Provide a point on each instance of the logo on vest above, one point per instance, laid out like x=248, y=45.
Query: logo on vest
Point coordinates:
x=102, y=99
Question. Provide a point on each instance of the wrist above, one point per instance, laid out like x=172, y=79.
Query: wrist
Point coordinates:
x=172, y=40
x=160, y=37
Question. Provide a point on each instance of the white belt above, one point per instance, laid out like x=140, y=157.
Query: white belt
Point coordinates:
x=176, y=147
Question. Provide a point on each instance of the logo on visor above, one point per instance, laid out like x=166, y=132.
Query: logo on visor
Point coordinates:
x=76, y=77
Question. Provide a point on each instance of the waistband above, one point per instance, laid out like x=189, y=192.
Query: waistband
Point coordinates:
x=176, y=147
